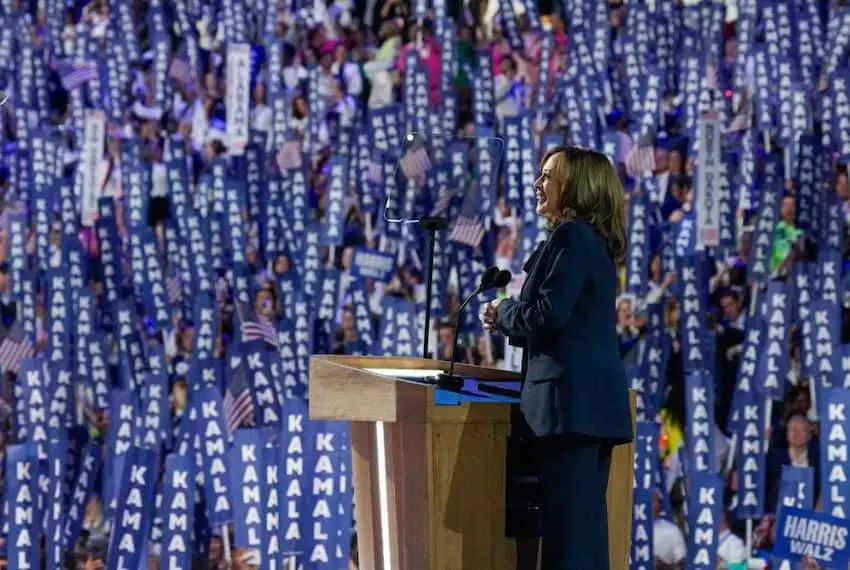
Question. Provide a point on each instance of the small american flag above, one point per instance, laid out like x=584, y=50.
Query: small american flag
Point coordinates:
x=441, y=206
x=180, y=70
x=640, y=159
x=467, y=230
x=172, y=285
x=255, y=327
x=14, y=348
x=415, y=163
x=11, y=209
x=289, y=157
x=73, y=75
x=238, y=404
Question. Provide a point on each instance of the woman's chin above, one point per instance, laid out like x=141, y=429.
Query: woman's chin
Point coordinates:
x=542, y=208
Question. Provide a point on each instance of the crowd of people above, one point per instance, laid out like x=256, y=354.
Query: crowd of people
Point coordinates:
x=340, y=64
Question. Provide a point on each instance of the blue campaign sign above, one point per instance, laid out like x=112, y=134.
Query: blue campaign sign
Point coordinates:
x=802, y=532
x=374, y=264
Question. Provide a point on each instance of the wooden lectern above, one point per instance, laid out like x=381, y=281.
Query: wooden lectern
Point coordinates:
x=429, y=479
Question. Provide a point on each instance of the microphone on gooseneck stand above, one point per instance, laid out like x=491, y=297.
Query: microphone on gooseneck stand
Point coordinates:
x=492, y=278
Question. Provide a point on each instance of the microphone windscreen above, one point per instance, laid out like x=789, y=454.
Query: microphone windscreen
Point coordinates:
x=502, y=278
x=487, y=277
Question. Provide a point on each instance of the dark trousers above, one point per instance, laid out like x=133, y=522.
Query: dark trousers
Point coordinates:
x=574, y=472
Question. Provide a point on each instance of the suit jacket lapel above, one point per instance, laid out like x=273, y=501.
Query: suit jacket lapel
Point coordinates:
x=529, y=263
x=530, y=266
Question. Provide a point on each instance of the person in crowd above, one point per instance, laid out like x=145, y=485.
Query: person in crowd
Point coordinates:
x=508, y=89
x=678, y=198
x=799, y=450
x=786, y=238
x=842, y=189
x=730, y=547
x=668, y=540
x=732, y=317
x=628, y=330
x=95, y=525
x=421, y=39
x=261, y=113
x=8, y=308
x=347, y=338
x=445, y=342
x=505, y=249
x=659, y=284
x=380, y=66
x=347, y=71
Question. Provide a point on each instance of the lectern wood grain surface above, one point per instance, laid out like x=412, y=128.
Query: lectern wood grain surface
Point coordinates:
x=445, y=467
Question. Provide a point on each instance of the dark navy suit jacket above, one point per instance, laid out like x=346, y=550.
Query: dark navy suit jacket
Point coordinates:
x=573, y=378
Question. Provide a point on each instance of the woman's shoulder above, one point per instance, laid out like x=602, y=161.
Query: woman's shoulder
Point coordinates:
x=572, y=233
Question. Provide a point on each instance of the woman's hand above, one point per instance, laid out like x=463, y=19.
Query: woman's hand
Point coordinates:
x=488, y=314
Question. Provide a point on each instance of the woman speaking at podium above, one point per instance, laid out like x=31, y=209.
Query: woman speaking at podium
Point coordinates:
x=574, y=390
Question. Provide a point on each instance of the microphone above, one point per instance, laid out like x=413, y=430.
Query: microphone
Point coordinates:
x=492, y=278
x=485, y=283
x=502, y=279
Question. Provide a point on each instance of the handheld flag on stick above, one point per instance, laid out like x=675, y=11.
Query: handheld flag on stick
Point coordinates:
x=173, y=286
x=255, y=327
x=14, y=347
x=73, y=75
x=468, y=231
x=468, y=228
x=640, y=159
x=415, y=162
x=289, y=157
x=238, y=404
x=441, y=206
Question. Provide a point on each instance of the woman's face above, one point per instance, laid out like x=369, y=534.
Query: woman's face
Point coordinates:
x=787, y=210
x=187, y=339
x=347, y=258
x=181, y=396
x=281, y=264
x=260, y=93
x=673, y=317
x=263, y=304
x=676, y=163
x=548, y=189
x=661, y=158
x=798, y=432
x=842, y=186
x=655, y=268
x=624, y=312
